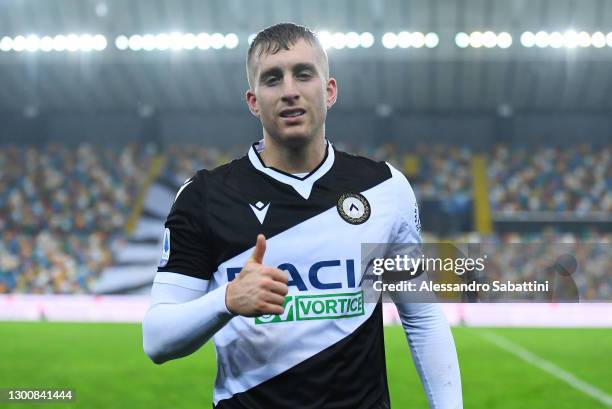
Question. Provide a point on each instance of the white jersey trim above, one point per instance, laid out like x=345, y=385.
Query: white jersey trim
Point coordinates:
x=302, y=186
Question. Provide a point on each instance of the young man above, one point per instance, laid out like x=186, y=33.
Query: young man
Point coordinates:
x=264, y=254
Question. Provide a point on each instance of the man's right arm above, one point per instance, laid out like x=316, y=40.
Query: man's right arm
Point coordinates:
x=183, y=316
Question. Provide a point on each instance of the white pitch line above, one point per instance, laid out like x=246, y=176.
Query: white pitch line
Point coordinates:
x=549, y=367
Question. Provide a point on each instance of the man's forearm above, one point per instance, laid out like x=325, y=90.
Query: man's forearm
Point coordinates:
x=174, y=330
x=434, y=354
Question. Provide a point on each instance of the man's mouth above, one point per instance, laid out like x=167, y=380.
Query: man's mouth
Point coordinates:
x=292, y=113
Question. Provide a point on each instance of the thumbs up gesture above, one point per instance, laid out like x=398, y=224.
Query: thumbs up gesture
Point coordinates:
x=258, y=289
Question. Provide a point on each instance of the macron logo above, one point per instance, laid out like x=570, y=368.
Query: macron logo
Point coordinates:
x=260, y=210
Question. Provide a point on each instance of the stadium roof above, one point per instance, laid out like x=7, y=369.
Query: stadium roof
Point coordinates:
x=446, y=78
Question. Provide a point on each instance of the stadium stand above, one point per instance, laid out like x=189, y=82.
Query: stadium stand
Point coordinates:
x=572, y=179
x=65, y=211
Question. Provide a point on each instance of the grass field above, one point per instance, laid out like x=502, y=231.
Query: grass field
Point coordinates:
x=106, y=367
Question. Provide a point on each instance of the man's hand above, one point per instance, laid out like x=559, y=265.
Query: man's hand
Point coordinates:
x=258, y=289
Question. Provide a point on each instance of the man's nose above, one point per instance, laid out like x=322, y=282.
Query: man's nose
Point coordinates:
x=290, y=91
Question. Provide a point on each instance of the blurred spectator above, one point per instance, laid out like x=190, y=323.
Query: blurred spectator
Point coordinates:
x=185, y=159
x=576, y=180
x=62, y=212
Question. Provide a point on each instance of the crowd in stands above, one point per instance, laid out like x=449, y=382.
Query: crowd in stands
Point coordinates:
x=538, y=257
x=529, y=178
x=574, y=180
x=63, y=209
x=577, y=266
x=183, y=160
x=443, y=173
x=59, y=263
x=69, y=189
x=437, y=171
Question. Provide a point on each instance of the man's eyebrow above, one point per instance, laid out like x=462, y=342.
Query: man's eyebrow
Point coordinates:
x=304, y=66
x=270, y=71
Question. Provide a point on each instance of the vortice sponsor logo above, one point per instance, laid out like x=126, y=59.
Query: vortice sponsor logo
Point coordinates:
x=317, y=307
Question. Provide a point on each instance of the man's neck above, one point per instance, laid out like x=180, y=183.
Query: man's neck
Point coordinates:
x=294, y=160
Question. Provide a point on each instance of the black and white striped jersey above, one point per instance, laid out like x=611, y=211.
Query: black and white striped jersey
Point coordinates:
x=327, y=349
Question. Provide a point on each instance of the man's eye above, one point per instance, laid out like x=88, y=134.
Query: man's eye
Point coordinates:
x=304, y=76
x=271, y=80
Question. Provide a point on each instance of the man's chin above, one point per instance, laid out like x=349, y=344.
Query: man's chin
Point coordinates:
x=294, y=140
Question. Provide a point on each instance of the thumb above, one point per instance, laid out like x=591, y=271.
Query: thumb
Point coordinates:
x=259, y=250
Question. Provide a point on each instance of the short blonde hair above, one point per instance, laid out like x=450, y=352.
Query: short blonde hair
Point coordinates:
x=281, y=37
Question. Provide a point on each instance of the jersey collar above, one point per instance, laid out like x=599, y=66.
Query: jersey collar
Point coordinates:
x=303, y=186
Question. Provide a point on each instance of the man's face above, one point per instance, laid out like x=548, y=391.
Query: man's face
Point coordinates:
x=290, y=93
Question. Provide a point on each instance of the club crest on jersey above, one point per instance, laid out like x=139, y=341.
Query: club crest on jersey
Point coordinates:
x=354, y=208
x=165, y=249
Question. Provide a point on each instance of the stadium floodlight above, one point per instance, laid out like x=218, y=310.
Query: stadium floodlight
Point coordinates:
x=189, y=41
x=148, y=42
x=121, y=42
x=175, y=41
x=584, y=39
x=135, y=42
x=528, y=39
x=32, y=43
x=203, y=41
x=462, y=40
x=231, y=41
x=19, y=43
x=251, y=38
x=86, y=43
x=99, y=42
x=609, y=39
x=325, y=38
x=162, y=41
x=542, y=39
x=571, y=39
x=338, y=41
x=389, y=40
x=6, y=44
x=46, y=44
x=352, y=40
x=73, y=43
x=556, y=39
x=432, y=40
x=59, y=43
x=504, y=40
x=404, y=39
x=366, y=40
x=598, y=39
x=217, y=41
x=476, y=39
x=489, y=39
x=418, y=39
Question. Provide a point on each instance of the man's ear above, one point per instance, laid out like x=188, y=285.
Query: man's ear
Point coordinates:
x=252, y=102
x=332, y=92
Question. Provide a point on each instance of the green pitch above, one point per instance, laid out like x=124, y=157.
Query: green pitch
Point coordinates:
x=106, y=367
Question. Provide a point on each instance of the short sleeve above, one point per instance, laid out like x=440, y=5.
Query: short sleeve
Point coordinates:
x=186, y=247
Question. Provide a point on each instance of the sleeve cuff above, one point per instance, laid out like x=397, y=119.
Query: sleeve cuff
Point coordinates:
x=219, y=302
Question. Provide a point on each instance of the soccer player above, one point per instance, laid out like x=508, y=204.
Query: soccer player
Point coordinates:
x=263, y=255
